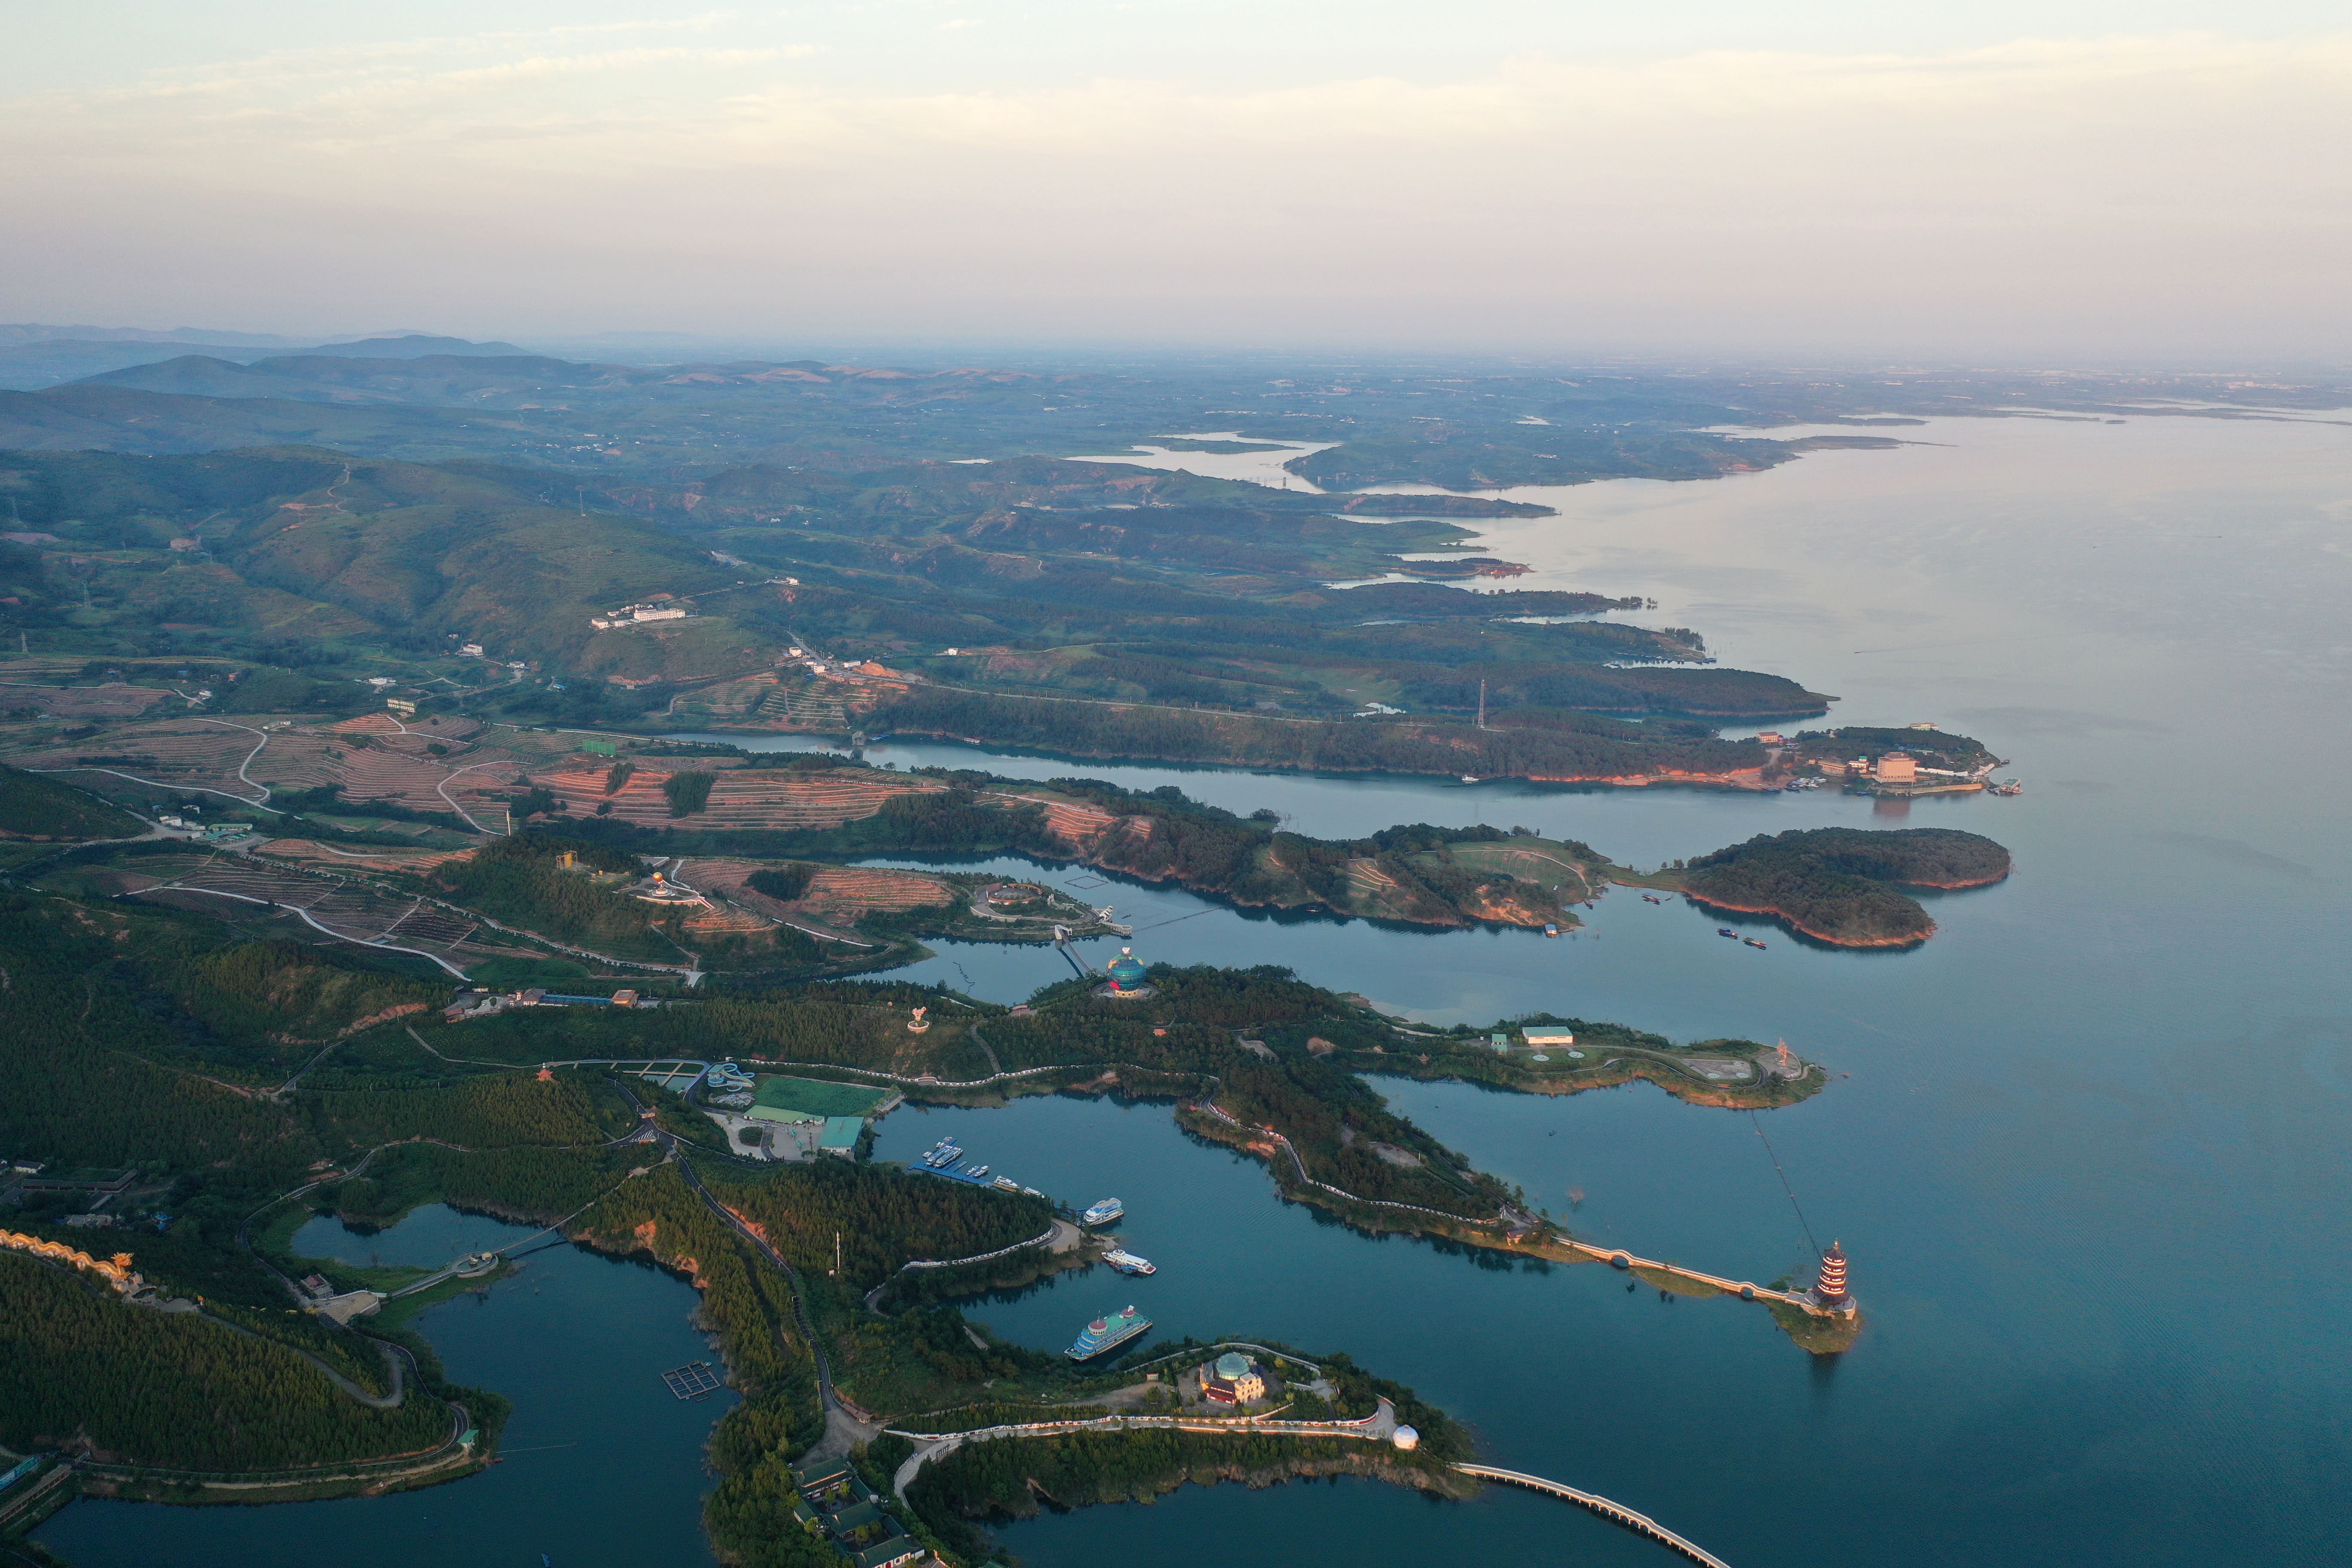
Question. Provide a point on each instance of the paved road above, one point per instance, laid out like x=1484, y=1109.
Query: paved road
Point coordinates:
x=995, y=1067
x=843, y=1430
x=1379, y=1427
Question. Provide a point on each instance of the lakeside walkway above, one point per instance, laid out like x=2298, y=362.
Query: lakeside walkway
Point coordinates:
x=1379, y=1427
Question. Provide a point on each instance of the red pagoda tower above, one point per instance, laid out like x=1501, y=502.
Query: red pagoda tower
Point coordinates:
x=1830, y=1294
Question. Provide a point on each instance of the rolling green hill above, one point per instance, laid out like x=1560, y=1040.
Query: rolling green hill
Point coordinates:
x=32, y=806
x=1081, y=578
x=311, y=548
x=431, y=379
x=176, y=1390
x=1843, y=885
x=438, y=549
x=97, y=417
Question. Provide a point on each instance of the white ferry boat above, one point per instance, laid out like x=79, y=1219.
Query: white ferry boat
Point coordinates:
x=1127, y=1262
x=1103, y=1213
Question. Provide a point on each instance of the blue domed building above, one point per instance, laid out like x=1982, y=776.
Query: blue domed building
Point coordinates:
x=1127, y=977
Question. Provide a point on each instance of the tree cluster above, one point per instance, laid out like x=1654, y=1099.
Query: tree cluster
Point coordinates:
x=490, y=1111
x=80, y=1368
x=1840, y=883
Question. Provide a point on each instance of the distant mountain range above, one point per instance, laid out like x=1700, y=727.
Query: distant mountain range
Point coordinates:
x=13, y=333
x=34, y=356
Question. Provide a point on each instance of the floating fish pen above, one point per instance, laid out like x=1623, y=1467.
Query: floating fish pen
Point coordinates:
x=694, y=1381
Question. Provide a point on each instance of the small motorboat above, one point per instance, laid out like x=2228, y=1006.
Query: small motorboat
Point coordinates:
x=1751, y=941
x=1726, y=931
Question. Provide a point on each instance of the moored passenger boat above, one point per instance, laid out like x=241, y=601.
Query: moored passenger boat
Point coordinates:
x=1108, y=1332
x=1103, y=1213
x=1127, y=1262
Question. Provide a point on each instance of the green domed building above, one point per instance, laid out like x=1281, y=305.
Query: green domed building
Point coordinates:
x=1128, y=981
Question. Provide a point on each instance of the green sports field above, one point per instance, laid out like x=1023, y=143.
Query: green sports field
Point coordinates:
x=813, y=1097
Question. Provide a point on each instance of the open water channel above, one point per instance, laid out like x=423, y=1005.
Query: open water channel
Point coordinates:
x=2089, y=1161
x=600, y=1463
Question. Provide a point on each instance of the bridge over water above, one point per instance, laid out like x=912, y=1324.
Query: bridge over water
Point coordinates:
x=1615, y=1514
x=1380, y=1427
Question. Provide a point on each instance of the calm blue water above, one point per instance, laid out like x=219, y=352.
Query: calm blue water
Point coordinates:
x=2088, y=1161
x=602, y=1466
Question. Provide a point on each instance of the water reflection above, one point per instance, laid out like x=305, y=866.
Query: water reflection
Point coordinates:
x=600, y=1466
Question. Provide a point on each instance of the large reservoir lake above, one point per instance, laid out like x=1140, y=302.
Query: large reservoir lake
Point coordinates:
x=2087, y=1148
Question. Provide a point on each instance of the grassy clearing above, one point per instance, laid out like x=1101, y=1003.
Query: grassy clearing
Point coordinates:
x=1555, y=868
x=1822, y=1336
x=404, y=1312
x=1678, y=1284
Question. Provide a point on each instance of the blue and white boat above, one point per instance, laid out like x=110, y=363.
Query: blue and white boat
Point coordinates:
x=1106, y=1332
x=1127, y=1262
x=1103, y=1213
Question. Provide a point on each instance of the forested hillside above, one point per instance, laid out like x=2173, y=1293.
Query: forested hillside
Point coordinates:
x=78, y=1368
x=1048, y=577
x=81, y=1058
x=1842, y=884
x=523, y=880
x=291, y=993
x=32, y=806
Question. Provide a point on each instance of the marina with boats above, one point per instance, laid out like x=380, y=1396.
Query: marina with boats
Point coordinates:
x=945, y=1158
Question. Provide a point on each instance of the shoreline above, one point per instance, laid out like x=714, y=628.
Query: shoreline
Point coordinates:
x=1742, y=779
x=1795, y=924
x=1816, y=1334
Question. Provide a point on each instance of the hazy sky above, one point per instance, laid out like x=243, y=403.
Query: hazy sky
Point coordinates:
x=2067, y=179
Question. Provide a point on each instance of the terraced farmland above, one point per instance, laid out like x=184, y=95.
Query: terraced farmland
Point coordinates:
x=349, y=910
x=740, y=797
x=113, y=701
x=331, y=858
x=863, y=888
x=177, y=753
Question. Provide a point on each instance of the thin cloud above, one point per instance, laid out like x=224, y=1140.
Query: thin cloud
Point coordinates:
x=2059, y=190
x=285, y=68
